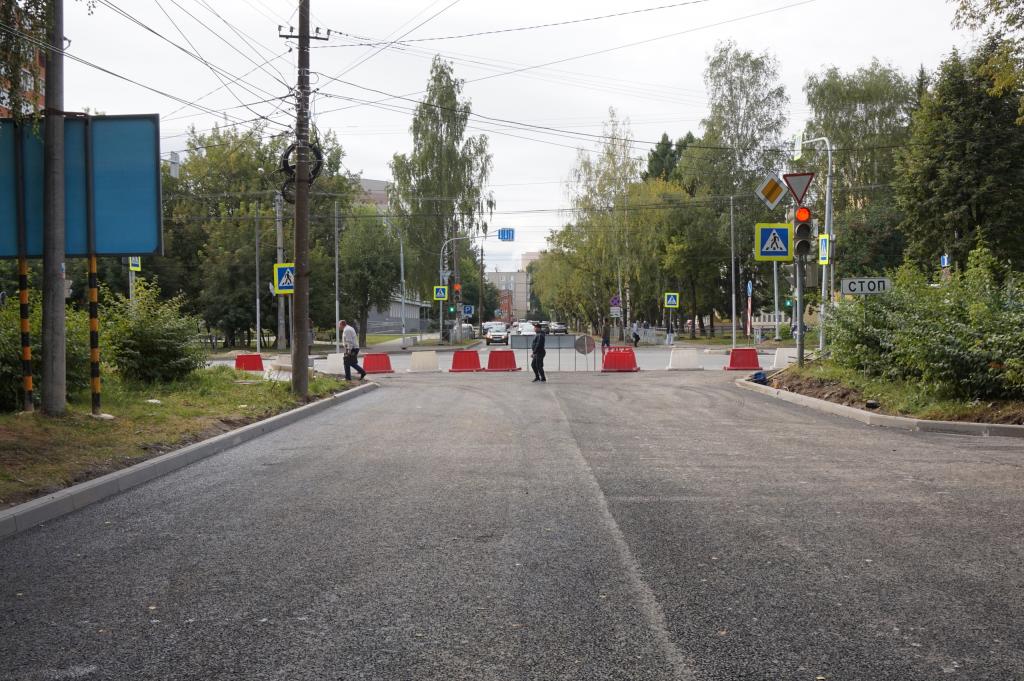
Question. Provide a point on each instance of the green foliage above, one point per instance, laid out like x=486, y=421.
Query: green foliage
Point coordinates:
x=960, y=181
x=1003, y=23
x=20, y=56
x=369, y=268
x=962, y=338
x=77, y=351
x=149, y=339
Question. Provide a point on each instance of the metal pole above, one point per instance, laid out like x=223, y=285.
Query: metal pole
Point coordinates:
x=131, y=285
x=279, y=225
x=54, y=316
x=337, y=293
x=827, y=284
x=256, y=226
x=440, y=303
x=775, y=272
x=798, y=312
x=401, y=269
x=732, y=267
x=28, y=403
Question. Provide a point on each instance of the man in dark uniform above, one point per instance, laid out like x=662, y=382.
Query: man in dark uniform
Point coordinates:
x=538, y=354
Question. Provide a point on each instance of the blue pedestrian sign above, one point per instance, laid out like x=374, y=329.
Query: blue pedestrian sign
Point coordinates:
x=440, y=293
x=284, y=278
x=467, y=310
x=506, y=234
x=944, y=260
x=672, y=300
x=773, y=241
x=135, y=263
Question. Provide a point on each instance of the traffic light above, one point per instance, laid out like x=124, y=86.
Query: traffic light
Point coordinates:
x=451, y=308
x=458, y=287
x=803, y=231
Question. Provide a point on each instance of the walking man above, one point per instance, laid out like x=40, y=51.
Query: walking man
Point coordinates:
x=606, y=336
x=636, y=333
x=538, y=355
x=350, y=342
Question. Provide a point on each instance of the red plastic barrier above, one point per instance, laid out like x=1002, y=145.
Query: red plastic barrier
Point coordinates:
x=743, y=359
x=502, y=360
x=249, y=362
x=377, y=363
x=466, y=360
x=620, y=358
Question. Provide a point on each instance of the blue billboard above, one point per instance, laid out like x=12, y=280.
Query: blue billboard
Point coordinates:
x=125, y=180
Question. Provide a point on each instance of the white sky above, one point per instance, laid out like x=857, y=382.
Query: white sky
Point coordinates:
x=657, y=85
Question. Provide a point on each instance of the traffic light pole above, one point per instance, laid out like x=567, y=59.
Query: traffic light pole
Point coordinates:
x=827, y=271
x=798, y=312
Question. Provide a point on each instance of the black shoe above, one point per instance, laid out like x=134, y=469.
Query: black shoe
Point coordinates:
x=543, y=380
x=535, y=380
x=362, y=376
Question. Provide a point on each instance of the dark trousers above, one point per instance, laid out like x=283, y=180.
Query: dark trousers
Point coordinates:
x=538, y=366
x=350, y=361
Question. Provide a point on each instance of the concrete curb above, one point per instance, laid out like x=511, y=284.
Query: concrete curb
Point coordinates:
x=31, y=513
x=883, y=420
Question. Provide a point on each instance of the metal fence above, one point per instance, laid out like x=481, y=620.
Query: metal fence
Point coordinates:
x=561, y=353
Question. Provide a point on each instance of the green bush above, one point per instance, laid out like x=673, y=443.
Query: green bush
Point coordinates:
x=77, y=351
x=149, y=339
x=962, y=338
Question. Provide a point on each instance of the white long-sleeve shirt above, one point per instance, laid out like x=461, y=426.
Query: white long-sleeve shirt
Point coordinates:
x=349, y=338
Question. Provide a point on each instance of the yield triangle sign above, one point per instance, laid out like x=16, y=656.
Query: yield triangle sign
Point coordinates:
x=798, y=184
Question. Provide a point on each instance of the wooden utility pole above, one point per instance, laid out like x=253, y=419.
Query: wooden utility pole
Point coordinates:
x=54, y=331
x=300, y=319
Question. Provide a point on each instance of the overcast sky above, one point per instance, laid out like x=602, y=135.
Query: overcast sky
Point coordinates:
x=657, y=84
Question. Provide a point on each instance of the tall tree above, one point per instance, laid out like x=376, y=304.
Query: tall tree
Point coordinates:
x=439, y=189
x=662, y=159
x=1003, y=23
x=369, y=265
x=960, y=181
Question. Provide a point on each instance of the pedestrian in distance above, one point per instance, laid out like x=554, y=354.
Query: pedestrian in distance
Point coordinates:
x=350, y=342
x=669, y=333
x=606, y=336
x=636, y=333
x=538, y=354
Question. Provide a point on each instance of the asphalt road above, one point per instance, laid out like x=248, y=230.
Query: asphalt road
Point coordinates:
x=630, y=526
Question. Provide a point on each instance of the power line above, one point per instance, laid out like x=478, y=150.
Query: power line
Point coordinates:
x=519, y=28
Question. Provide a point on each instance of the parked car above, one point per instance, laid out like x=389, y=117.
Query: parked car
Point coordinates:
x=497, y=334
x=525, y=329
x=557, y=327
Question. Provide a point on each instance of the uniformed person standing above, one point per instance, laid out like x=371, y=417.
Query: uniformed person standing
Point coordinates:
x=538, y=354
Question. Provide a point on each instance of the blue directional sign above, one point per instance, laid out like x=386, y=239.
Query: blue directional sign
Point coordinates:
x=467, y=310
x=944, y=260
x=506, y=234
x=440, y=293
x=672, y=300
x=773, y=241
x=284, y=278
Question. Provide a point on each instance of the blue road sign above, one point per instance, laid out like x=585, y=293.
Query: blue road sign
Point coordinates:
x=284, y=278
x=750, y=288
x=125, y=178
x=672, y=300
x=615, y=301
x=440, y=293
x=506, y=234
x=773, y=241
x=944, y=260
x=467, y=310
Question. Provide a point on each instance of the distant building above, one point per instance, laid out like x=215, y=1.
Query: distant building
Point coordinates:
x=527, y=258
x=516, y=285
x=375, y=192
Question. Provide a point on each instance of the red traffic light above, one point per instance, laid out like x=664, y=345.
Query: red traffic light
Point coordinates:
x=458, y=287
x=803, y=214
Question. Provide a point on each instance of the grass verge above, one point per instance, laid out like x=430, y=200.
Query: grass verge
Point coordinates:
x=826, y=380
x=39, y=455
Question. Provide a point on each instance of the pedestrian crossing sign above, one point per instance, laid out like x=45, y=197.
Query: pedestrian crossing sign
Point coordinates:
x=284, y=278
x=773, y=241
x=824, y=250
x=440, y=293
x=135, y=263
x=672, y=300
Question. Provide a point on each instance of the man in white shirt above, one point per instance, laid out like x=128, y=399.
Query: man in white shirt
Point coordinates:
x=350, y=342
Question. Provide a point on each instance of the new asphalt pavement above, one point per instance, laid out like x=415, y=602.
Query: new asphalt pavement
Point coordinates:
x=598, y=526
